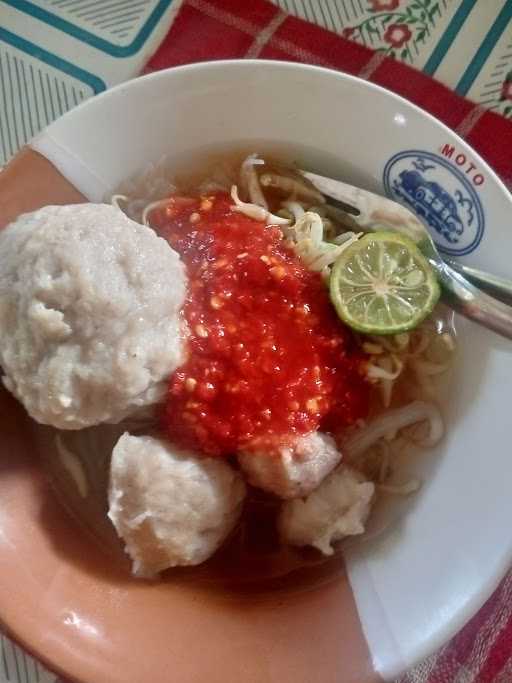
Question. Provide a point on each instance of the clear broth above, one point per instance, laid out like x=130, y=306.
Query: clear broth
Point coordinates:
x=252, y=559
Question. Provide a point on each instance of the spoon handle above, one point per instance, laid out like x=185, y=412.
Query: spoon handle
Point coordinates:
x=494, y=285
x=474, y=304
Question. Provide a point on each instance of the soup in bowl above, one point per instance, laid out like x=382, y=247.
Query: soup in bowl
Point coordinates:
x=259, y=438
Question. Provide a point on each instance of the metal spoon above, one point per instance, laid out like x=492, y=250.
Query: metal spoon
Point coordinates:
x=498, y=287
x=369, y=212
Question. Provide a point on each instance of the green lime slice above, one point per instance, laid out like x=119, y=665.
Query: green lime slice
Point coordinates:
x=382, y=284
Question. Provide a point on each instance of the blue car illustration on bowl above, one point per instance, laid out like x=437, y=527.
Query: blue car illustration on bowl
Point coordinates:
x=429, y=200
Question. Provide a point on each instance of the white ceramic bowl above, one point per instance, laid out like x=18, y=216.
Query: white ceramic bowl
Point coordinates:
x=417, y=585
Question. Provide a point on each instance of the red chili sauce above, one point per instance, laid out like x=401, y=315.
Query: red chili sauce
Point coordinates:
x=268, y=357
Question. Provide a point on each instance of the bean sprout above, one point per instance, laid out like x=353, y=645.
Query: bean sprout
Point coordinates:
x=250, y=182
x=258, y=213
x=372, y=348
x=294, y=208
x=309, y=226
x=392, y=356
x=386, y=369
x=116, y=198
x=331, y=255
x=152, y=206
x=393, y=421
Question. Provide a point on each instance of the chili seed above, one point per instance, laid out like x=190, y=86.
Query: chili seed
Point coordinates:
x=201, y=331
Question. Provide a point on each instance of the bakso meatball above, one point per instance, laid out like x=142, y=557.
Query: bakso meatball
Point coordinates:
x=90, y=323
x=338, y=507
x=170, y=507
x=290, y=470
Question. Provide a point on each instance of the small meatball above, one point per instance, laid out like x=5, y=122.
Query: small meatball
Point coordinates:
x=170, y=507
x=90, y=324
x=291, y=471
x=339, y=507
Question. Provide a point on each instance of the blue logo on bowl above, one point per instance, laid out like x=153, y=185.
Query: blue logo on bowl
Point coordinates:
x=440, y=195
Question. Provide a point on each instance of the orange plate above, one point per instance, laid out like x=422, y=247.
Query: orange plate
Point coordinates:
x=66, y=601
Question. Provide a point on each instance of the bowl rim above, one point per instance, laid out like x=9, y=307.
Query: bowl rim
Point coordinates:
x=292, y=66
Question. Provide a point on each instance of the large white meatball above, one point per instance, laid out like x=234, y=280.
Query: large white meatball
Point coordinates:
x=90, y=320
x=339, y=507
x=170, y=507
x=291, y=470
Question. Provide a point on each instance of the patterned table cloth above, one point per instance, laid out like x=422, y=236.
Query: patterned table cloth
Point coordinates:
x=56, y=53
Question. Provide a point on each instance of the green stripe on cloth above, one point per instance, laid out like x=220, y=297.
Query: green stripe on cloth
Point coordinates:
x=485, y=49
x=448, y=36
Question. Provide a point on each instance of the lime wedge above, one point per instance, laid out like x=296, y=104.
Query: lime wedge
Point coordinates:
x=382, y=284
